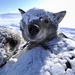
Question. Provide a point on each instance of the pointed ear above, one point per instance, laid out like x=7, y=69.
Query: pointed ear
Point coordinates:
x=59, y=16
x=21, y=11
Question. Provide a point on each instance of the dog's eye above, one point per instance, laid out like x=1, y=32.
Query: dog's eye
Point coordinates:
x=46, y=21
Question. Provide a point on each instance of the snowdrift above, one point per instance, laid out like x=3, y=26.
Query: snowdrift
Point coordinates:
x=58, y=60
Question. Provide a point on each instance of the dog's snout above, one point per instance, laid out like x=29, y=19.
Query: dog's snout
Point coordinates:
x=33, y=29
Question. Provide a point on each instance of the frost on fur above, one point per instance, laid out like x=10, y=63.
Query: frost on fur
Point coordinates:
x=9, y=42
x=38, y=26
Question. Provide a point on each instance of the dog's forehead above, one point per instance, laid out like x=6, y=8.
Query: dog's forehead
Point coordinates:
x=34, y=14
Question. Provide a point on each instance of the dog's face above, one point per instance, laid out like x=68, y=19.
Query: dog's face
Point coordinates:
x=10, y=39
x=38, y=25
x=11, y=43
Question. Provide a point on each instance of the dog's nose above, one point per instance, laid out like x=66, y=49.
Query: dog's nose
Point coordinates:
x=33, y=29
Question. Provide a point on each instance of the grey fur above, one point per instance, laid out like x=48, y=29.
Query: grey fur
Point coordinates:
x=47, y=23
x=10, y=39
x=21, y=11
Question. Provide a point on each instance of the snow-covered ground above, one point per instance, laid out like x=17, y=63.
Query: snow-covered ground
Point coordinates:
x=38, y=61
x=10, y=20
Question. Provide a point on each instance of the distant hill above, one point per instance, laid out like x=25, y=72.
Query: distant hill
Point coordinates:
x=10, y=20
x=10, y=15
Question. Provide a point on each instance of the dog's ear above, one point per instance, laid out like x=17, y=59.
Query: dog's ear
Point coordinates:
x=21, y=11
x=59, y=16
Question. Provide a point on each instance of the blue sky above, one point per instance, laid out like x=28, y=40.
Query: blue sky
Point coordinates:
x=11, y=6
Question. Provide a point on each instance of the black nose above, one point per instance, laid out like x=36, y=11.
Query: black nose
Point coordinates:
x=33, y=29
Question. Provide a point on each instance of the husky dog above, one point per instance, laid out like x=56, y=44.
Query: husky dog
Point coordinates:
x=10, y=44
x=38, y=26
x=10, y=39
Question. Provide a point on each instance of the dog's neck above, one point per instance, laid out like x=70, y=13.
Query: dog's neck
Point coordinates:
x=40, y=44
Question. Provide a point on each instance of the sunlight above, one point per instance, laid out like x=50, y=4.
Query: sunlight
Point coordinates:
x=60, y=5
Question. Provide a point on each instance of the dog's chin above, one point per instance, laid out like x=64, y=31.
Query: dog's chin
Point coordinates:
x=36, y=39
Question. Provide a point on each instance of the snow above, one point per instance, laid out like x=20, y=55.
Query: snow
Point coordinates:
x=59, y=45
x=10, y=20
x=70, y=32
x=35, y=13
x=42, y=62
x=38, y=61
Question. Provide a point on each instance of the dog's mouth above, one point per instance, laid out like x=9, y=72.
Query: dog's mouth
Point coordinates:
x=38, y=38
x=35, y=39
x=35, y=32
